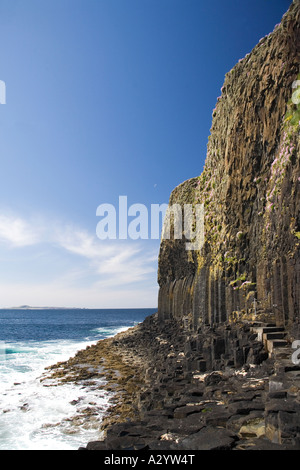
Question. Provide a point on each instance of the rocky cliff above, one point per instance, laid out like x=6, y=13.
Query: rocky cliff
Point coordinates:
x=250, y=188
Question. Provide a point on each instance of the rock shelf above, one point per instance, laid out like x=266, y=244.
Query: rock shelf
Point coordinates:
x=161, y=401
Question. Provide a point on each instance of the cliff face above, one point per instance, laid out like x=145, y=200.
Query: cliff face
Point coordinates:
x=250, y=188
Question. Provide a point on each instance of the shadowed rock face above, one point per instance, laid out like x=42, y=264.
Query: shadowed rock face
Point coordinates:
x=250, y=189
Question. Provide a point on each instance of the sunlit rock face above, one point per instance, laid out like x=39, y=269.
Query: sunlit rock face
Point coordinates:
x=249, y=263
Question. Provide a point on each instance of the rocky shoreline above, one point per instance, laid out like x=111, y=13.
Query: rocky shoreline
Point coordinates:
x=167, y=397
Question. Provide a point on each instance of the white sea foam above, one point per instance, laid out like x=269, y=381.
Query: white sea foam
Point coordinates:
x=45, y=415
x=109, y=331
x=34, y=416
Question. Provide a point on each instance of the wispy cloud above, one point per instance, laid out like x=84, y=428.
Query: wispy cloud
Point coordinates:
x=84, y=270
x=80, y=242
x=116, y=262
x=17, y=232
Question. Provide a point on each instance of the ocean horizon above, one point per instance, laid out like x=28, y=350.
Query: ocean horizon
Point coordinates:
x=36, y=415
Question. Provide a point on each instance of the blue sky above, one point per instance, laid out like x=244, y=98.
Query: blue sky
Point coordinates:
x=104, y=98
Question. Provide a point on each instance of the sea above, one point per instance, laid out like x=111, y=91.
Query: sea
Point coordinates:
x=34, y=416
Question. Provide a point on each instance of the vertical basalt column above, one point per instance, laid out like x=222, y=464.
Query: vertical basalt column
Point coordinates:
x=296, y=298
x=171, y=299
x=163, y=300
x=188, y=298
x=292, y=289
x=176, y=304
x=261, y=283
x=284, y=290
x=276, y=293
x=209, y=297
x=222, y=298
x=200, y=295
x=216, y=297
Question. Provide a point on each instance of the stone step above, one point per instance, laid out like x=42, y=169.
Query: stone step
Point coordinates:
x=283, y=353
x=273, y=336
x=260, y=324
x=261, y=330
x=272, y=329
x=271, y=344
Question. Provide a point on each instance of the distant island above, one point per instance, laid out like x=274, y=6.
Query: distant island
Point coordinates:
x=28, y=307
